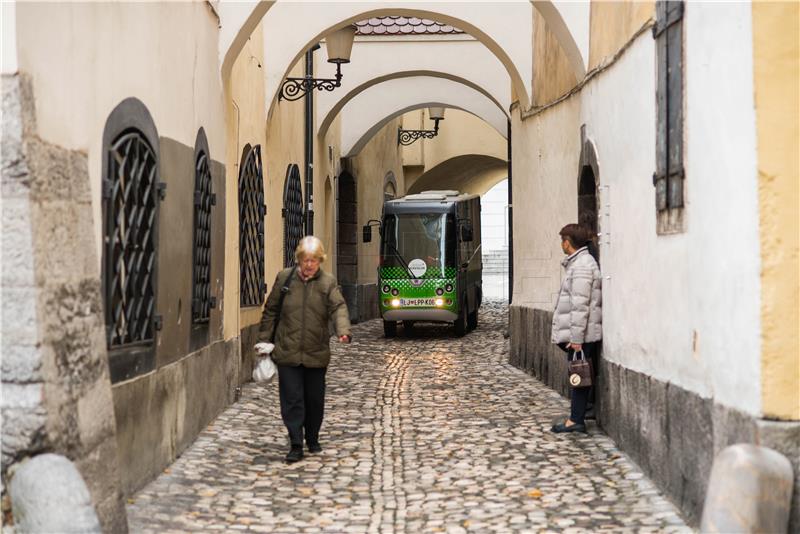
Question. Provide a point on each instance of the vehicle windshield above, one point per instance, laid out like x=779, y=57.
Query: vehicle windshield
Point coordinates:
x=422, y=242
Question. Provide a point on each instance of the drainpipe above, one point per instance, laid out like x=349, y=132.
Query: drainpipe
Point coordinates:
x=510, y=223
x=309, y=142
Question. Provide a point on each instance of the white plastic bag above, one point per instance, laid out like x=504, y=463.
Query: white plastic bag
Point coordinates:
x=265, y=368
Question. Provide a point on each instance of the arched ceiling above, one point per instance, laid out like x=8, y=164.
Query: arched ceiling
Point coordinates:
x=367, y=113
x=378, y=62
x=469, y=173
x=310, y=22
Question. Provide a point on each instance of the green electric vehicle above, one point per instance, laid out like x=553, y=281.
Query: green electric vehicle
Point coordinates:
x=430, y=263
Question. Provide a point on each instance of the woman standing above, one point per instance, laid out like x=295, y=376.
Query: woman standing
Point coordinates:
x=577, y=319
x=302, y=341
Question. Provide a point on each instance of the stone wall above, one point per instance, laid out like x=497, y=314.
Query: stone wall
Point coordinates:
x=161, y=413
x=56, y=387
x=672, y=433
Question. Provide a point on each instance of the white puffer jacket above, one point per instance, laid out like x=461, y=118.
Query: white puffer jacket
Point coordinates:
x=578, y=317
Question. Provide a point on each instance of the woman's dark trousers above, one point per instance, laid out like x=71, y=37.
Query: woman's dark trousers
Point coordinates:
x=580, y=396
x=302, y=394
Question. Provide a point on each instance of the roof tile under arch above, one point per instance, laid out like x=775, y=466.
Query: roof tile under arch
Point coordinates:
x=398, y=25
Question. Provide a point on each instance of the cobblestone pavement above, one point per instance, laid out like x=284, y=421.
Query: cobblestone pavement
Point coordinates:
x=423, y=434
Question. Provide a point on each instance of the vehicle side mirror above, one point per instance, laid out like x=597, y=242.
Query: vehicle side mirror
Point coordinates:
x=466, y=233
x=366, y=232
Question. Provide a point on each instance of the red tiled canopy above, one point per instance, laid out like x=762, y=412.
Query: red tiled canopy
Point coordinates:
x=403, y=26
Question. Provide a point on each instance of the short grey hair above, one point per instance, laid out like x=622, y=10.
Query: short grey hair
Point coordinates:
x=310, y=246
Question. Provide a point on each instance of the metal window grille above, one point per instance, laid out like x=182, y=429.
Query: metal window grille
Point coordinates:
x=251, y=230
x=202, y=301
x=130, y=197
x=292, y=214
x=669, y=175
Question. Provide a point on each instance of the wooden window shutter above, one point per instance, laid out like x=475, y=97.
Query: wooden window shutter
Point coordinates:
x=668, y=32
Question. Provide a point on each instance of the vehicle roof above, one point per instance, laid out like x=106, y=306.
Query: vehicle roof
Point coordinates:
x=431, y=201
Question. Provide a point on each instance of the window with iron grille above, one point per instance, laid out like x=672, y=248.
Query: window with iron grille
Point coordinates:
x=251, y=228
x=669, y=175
x=130, y=201
x=202, y=301
x=292, y=214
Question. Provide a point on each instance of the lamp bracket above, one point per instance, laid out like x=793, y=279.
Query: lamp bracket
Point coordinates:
x=296, y=88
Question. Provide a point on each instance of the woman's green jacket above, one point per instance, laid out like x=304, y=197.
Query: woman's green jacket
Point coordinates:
x=303, y=336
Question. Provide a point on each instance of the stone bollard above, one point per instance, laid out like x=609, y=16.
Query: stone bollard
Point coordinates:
x=750, y=490
x=48, y=494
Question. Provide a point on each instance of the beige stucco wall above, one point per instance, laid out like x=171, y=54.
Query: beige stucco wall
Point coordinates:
x=380, y=156
x=612, y=24
x=284, y=146
x=552, y=73
x=281, y=143
x=164, y=54
x=460, y=134
x=327, y=167
x=775, y=71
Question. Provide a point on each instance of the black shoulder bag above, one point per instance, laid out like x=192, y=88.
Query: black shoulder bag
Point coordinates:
x=284, y=290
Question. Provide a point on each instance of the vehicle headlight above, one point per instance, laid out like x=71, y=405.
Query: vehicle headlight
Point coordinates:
x=395, y=303
x=386, y=288
x=449, y=288
x=439, y=302
x=395, y=292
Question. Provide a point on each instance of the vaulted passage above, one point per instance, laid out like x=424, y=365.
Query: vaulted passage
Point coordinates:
x=449, y=161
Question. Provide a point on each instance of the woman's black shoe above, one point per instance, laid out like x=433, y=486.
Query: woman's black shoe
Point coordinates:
x=562, y=427
x=314, y=447
x=295, y=454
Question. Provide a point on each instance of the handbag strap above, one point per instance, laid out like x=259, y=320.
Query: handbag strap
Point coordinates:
x=284, y=290
x=575, y=355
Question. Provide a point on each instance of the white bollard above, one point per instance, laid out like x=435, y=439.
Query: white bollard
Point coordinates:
x=48, y=494
x=750, y=490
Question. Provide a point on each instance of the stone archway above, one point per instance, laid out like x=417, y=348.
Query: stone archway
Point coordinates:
x=569, y=23
x=329, y=111
x=477, y=19
x=371, y=110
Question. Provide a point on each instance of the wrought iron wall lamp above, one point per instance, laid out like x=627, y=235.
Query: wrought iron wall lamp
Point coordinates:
x=339, y=45
x=407, y=137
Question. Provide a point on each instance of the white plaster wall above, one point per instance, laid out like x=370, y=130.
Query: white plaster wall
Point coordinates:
x=721, y=165
x=85, y=58
x=376, y=60
x=545, y=153
x=682, y=308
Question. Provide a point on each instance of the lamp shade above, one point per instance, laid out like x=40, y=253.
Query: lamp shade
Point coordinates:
x=340, y=44
x=436, y=112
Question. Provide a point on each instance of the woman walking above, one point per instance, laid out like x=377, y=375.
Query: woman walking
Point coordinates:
x=577, y=320
x=302, y=353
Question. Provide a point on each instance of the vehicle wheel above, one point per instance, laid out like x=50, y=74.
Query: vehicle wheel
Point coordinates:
x=460, y=324
x=408, y=328
x=389, y=328
x=472, y=320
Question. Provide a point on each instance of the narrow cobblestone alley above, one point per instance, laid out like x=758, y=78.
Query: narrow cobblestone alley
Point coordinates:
x=422, y=434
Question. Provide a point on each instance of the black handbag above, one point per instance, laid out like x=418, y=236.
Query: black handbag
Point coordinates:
x=580, y=371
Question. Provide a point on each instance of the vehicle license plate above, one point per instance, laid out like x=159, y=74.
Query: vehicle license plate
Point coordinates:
x=416, y=302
